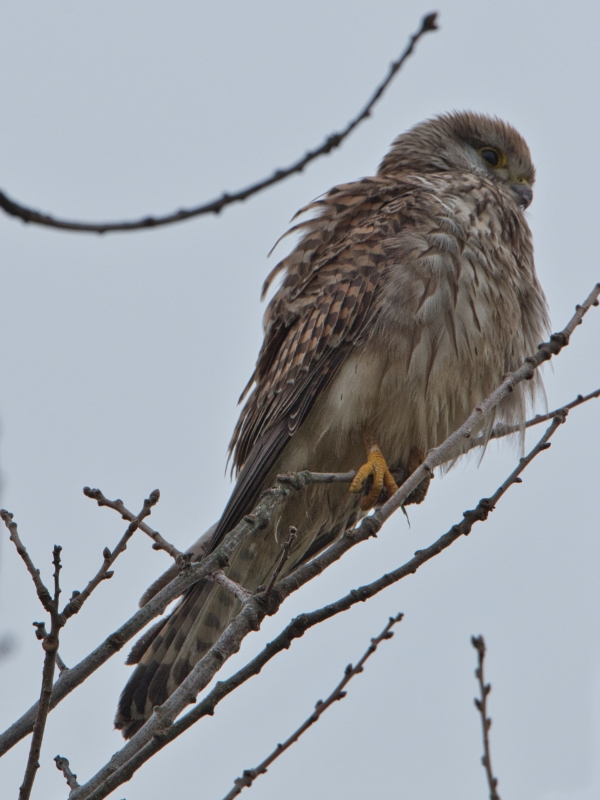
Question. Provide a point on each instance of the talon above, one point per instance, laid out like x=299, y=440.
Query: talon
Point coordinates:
x=377, y=469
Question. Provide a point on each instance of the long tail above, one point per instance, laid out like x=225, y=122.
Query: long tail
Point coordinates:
x=167, y=653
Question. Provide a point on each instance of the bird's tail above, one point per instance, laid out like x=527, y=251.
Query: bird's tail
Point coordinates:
x=168, y=652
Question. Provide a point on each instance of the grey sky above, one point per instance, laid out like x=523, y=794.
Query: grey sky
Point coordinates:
x=122, y=358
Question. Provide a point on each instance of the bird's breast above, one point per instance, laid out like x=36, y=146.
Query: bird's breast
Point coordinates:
x=415, y=380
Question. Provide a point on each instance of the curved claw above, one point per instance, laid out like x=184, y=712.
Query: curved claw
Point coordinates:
x=377, y=468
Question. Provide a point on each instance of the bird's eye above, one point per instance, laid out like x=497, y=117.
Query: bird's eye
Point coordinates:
x=490, y=156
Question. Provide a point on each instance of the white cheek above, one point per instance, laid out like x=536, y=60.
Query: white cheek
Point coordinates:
x=475, y=161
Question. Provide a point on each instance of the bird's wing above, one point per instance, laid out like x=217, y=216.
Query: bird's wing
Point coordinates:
x=325, y=304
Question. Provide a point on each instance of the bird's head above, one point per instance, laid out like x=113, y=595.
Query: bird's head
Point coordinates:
x=464, y=141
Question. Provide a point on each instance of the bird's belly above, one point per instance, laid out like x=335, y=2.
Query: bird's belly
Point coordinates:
x=405, y=404
x=407, y=399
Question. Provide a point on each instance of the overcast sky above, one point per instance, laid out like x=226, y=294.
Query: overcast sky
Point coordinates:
x=122, y=357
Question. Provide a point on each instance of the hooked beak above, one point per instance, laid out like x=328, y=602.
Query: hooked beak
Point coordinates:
x=523, y=194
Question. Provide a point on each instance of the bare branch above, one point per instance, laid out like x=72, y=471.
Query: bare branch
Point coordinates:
x=232, y=587
x=332, y=477
x=500, y=431
x=486, y=723
x=76, y=675
x=215, y=206
x=50, y=645
x=104, y=573
x=62, y=764
x=338, y=693
x=160, y=730
x=50, y=640
x=159, y=542
x=41, y=633
x=479, y=514
x=497, y=432
x=42, y=591
x=285, y=552
x=56, y=576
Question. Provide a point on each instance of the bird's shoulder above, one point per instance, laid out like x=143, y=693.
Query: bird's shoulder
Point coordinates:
x=356, y=232
x=354, y=224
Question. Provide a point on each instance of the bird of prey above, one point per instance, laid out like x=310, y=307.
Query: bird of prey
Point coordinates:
x=408, y=298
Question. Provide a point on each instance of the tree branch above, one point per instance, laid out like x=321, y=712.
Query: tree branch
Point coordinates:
x=159, y=730
x=69, y=680
x=42, y=591
x=243, y=595
x=285, y=552
x=486, y=723
x=50, y=646
x=159, y=542
x=215, y=206
x=41, y=633
x=62, y=764
x=105, y=573
x=338, y=693
x=500, y=431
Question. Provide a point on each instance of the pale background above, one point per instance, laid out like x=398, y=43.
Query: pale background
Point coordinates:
x=122, y=357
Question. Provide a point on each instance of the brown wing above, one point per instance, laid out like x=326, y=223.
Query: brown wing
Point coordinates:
x=323, y=307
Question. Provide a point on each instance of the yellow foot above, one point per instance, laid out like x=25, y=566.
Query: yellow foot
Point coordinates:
x=377, y=469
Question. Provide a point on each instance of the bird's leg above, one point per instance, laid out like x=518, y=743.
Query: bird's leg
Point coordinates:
x=377, y=469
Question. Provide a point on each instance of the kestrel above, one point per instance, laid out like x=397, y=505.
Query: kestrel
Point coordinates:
x=408, y=297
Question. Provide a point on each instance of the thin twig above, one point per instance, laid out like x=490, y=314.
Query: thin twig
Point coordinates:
x=497, y=432
x=159, y=542
x=215, y=206
x=62, y=764
x=41, y=633
x=218, y=576
x=105, y=573
x=338, y=693
x=160, y=729
x=42, y=591
x=285, y=552
x=57, y=568
x=256, y=521
x=500, y=431
x=50, y=646
x=486, y=723
x=50, y=641
x=332, y=477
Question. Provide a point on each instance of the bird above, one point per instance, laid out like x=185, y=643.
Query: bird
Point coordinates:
x=408, y=297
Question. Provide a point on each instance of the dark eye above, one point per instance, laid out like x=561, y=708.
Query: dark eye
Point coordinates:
x=490, y=156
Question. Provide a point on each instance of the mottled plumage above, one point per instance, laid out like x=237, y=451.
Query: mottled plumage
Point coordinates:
x=409, y=296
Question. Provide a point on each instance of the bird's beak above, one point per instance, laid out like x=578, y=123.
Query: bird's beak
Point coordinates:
x=523, y=194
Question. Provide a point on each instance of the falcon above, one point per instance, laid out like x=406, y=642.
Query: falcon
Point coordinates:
x=409, y=296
